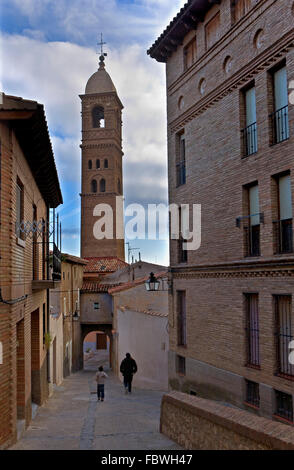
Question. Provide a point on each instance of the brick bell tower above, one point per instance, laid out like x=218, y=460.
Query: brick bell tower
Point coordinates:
x=102, y=179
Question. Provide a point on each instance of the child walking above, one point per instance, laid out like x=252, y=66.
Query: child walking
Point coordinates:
x=100, y=379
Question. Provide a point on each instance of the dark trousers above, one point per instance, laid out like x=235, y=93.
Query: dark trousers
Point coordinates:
x=100, y=391
x=128, y=382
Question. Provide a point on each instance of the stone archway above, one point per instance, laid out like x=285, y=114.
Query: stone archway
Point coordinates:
x=89, y=328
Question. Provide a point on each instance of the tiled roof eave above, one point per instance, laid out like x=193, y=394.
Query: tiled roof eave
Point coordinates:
x=186, y=20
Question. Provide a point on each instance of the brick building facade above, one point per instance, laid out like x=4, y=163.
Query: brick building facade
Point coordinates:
x=230, y=69
x=65, y=326
x=29, y=188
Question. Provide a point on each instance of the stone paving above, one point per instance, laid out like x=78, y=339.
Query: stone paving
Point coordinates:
x=73, y=419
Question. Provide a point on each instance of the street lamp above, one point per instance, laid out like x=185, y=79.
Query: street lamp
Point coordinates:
x=152, y=284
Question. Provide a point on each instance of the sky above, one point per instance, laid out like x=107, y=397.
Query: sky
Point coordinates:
x=48, y=52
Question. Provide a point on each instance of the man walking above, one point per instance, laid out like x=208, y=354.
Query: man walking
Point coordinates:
x=128, y=368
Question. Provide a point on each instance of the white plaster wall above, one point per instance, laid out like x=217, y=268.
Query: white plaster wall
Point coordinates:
x=56, y=331
x=145, y=337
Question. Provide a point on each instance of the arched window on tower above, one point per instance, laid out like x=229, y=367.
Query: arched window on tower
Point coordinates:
x=118, y=186
x=98, y=117
x=102, y=185
x=94, y=186
x=97, y=163
x=90, y=164
x=105, y=163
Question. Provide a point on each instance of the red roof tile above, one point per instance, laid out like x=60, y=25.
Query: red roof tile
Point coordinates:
x=104, y=264
x=94, y=286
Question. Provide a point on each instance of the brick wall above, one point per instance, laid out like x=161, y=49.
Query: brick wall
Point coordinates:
x=217, y=275
x=16, y=274
x=199, y=424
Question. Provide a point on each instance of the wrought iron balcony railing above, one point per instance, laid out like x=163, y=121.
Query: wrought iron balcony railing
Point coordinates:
x=283, y=236
x=249, y=135
x=280, y=125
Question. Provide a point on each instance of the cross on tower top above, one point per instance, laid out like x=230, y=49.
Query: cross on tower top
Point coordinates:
x=101, y=44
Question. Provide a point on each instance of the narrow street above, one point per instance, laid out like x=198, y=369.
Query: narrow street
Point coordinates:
x=72, y=418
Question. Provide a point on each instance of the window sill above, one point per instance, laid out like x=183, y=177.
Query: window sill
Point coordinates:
x=250, y=405
x=285, y=376
x=20, y=242
x=283, y=420
x=252, y=366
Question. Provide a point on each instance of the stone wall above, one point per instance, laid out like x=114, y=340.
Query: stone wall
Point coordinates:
x=208, y=425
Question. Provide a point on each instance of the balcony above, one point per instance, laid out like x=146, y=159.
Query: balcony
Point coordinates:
x=252, y=240
x=181, y=173
x=249, y=136
x=283, y=236
x=54, y=275
x=280, y=125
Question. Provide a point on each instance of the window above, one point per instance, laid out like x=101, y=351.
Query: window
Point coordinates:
x=181, y=365
x=105, y=163
x=181, y=307
x=98, y=163
x=212, y=31
x=280, y=119
x=252, y=330
x=284, y=406
x=96, y=305
x=241, y=8
x=283, y=229
x=182, y=252
x=19, y=207
x=98, y=117
x=252, y=229
x=190, y=54
x=44, y=321
x=90, y=164
x=181, y=159
x=102, y=185
x=250, y=130
x=35, y=247
x=252, y=393
x=118, y=186
x=94, y=186
x=283, y=312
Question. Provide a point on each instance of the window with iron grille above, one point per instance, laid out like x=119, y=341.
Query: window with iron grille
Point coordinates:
x=19, y=207
x=181, y=159
x=181, y=365
x=280, y=116
x=181, y=306
x=249, y=133
x=182, y=252
x=284, y=406
x=283, y=226
x=252, y=227
x=284, y=336
x=252, y=330
x=252, y=393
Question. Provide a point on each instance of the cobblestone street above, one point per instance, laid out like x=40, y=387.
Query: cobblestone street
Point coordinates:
x=73, y=419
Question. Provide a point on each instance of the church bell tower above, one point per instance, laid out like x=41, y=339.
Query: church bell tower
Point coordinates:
x=101, y=160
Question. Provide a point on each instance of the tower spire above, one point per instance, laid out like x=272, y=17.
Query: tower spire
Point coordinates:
x=102, y=53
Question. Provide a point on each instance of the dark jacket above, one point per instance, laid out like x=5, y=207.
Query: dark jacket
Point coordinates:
x=128, y=367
